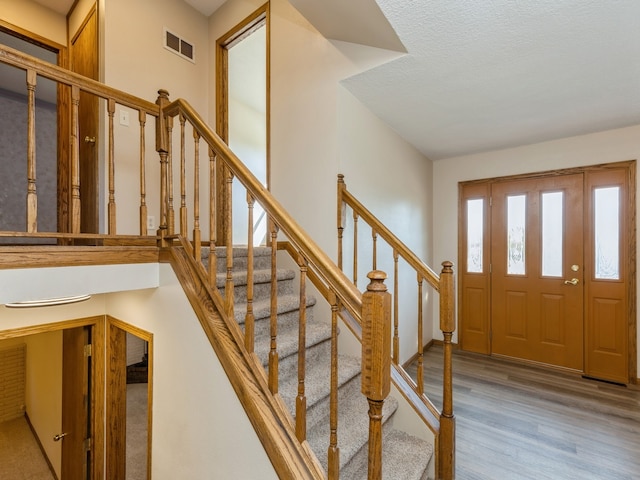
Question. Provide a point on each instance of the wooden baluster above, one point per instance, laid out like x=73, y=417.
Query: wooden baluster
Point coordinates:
x=333, y=454
x=197, y=236
x=75, y=160
x=301, y=399
x=183, y=180
x=376, y=362
x=111, y=207
x=273, y=347
x=374, y=239
x=32, y=197
x=396, y=292
x=355, y=248
x=249, y=317
x=142, y=118
x=162, y=147
x=420, y=372
x=228, y=214
x=213, y=259
x=341, y=216
x=171, y=214
x=447, y=419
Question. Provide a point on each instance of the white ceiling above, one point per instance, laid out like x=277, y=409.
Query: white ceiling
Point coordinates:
x=484, y=75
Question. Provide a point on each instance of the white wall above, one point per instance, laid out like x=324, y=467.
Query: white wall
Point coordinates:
x=34, y=18
x=603, y=147
x=200, y=429
x=136, y=61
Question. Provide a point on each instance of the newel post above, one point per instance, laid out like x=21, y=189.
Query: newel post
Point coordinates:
x=447, y=325
x=376, y=362
x=162, y=146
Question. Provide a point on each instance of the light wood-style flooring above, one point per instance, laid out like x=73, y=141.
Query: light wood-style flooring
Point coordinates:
x=526, y=422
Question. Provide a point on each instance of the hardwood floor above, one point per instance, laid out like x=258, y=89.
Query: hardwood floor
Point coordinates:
x=526, y=422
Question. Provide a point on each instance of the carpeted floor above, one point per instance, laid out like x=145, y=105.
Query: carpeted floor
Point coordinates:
x=21, y=458
x=20, y=455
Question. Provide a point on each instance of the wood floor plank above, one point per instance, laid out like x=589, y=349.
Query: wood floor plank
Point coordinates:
x=521, y=422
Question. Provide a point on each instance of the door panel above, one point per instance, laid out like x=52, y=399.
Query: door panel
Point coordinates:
x=537, y=312
x=609, y=324
x=75, y=404
x=84, y=60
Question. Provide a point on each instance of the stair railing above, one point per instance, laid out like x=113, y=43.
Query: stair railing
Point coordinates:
x=442, y=284
x=344, y=298
x=342, y=295
x=70, y=88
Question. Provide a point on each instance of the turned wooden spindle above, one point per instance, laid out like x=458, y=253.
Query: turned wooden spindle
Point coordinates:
x=162, y=147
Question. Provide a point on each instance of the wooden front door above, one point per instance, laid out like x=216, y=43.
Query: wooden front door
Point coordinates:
x=547, y=269
x=76, y=404
x=84, y=60
x=537, y=270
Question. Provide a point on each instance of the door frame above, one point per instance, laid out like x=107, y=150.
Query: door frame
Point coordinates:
x=223, y=44
x=116, y=402
x=480, y=284
x=97, y=372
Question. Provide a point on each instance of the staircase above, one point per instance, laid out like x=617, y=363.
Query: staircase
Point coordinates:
x=404, y=456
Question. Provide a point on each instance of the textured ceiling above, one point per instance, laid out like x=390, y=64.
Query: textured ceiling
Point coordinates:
x=486, y=75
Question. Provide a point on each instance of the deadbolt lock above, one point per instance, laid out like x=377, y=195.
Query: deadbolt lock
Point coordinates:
x=575, y=268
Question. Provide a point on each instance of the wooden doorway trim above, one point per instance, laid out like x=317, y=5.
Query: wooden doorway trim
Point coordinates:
x=116, y=408
x=246, y=27
x=474, y=324
x=97, y=324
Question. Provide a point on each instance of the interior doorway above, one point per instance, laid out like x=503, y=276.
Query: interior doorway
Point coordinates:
x=242, y=97
x=547, y=269
x=62, y=397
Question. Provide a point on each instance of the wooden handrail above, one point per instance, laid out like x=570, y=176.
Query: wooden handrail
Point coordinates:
x=23, y=61
x=347, y=293
x=381, y=229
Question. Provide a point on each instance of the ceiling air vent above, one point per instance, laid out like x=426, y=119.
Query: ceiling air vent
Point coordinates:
x=179, y=45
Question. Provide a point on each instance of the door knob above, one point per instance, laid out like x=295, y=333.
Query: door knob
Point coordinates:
x=89, y=139
x=58, y=437
x=573, y=281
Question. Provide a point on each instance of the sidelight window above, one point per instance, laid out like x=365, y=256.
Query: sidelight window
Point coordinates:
x=475, y=235
x=607, y=233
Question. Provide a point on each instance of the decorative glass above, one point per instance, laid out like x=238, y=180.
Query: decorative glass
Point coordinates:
x=607, y=233
x=516, y=231
x=475, y=234
x=552, y=232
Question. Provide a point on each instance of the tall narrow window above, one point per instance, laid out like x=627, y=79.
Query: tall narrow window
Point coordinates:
x=475, y=234
x=552, y=219
x=516, y=222
x=607, y=233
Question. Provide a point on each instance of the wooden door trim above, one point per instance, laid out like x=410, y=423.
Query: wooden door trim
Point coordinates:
x=630, y=254
x=247, y=26
x=113, y=400
x=98, y=375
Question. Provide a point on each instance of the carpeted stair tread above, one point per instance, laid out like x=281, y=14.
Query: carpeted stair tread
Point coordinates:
x=287, y=340
x=240, y=278
x=317, y=386
x=353, y=428
x=403, y=457
x=262, y=308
